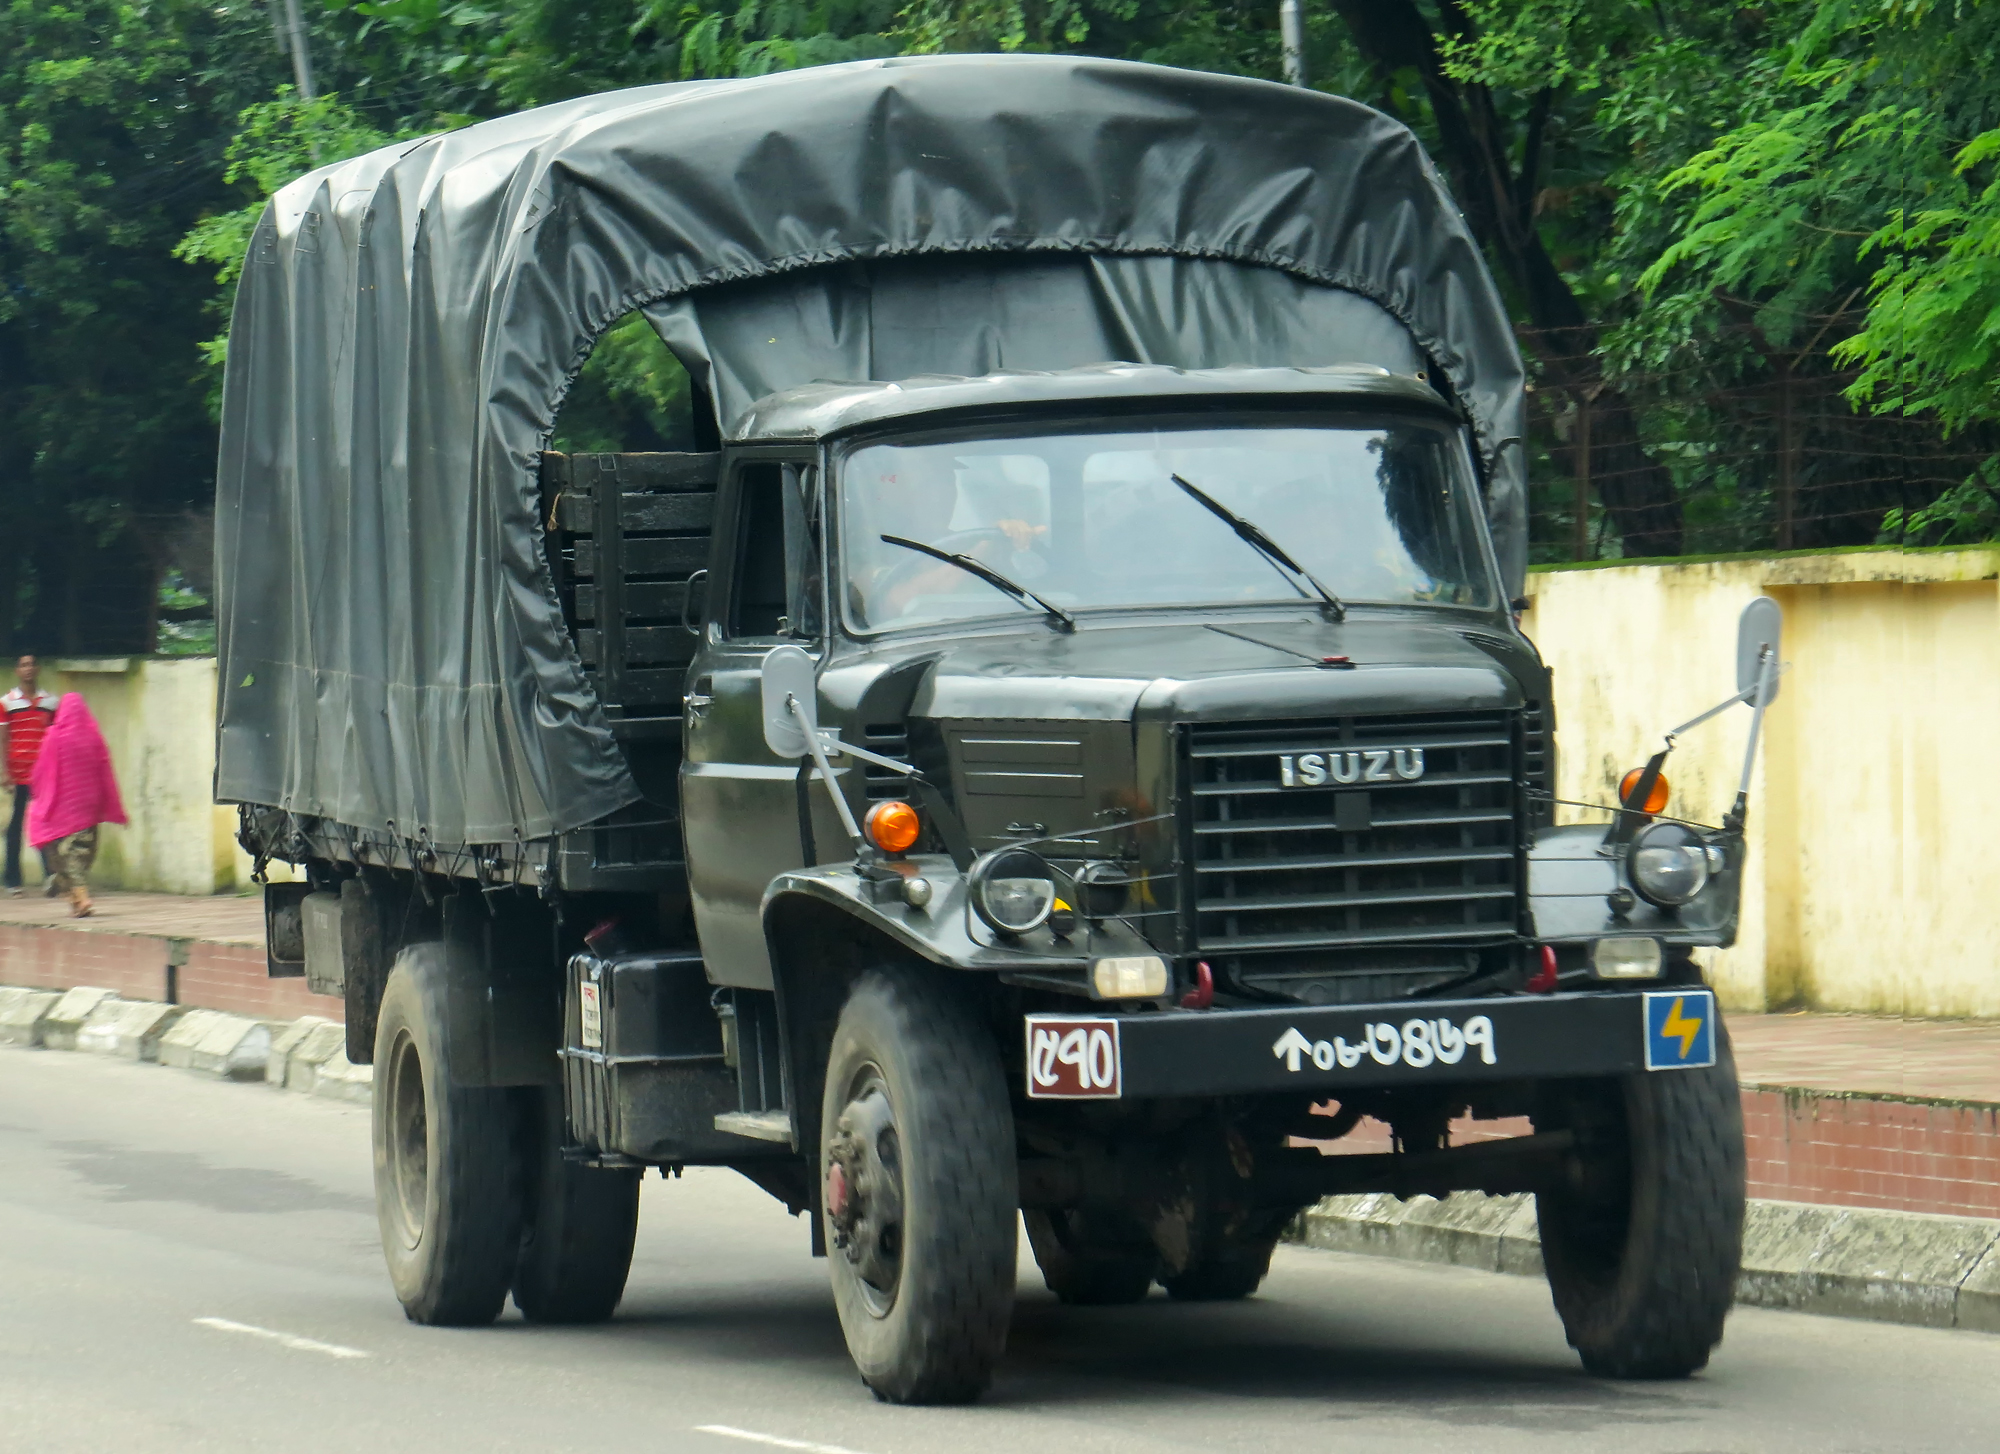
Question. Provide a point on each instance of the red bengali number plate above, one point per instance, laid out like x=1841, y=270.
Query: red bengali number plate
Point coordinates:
x=1073, y=1059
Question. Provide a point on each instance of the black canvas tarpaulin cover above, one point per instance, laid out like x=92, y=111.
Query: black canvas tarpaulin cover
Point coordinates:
x=393, y=655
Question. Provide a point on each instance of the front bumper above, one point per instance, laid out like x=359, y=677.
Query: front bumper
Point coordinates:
x=1350, y=1047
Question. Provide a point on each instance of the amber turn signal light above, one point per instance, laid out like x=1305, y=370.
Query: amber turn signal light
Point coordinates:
x=1656, y=800
x=892, y=826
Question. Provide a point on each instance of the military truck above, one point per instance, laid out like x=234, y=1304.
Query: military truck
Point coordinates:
x=1059, y=749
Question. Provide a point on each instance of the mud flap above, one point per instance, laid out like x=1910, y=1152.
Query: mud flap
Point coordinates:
x=504, y=994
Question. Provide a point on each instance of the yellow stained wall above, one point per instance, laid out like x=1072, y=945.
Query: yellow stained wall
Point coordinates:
x=1868, y=843
x=158, y=719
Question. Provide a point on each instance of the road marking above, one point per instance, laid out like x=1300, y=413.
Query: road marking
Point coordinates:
x=289, y=1340
x=772, y=1439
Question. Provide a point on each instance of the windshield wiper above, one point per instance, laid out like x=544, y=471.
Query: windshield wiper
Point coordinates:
x=1058, y=617
x=1265, y=546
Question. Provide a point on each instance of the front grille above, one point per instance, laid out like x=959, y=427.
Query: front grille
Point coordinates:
x=889, y=739
x=1276, y=869
x=1537, y=764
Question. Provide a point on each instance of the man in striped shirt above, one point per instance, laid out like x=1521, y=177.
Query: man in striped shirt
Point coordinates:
x=25, y=714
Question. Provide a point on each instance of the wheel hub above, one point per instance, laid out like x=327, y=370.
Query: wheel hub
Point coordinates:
x=864, y=1192
x=409, y=1140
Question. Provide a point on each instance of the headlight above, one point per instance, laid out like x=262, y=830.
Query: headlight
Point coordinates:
x=1668, y=864
x=1013, y=890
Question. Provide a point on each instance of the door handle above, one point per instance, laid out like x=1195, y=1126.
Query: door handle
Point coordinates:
x=696, y=700
x=687, y=600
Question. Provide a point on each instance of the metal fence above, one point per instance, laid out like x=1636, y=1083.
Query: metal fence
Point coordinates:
x=1735, y=445
x=140, y=587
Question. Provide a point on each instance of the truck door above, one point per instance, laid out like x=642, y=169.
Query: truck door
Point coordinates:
x=739, y=803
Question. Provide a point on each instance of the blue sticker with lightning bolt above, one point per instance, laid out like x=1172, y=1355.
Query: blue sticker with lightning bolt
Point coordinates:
x=1680, y=1029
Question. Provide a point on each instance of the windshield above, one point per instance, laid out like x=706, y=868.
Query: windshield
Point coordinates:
x=1380, y=512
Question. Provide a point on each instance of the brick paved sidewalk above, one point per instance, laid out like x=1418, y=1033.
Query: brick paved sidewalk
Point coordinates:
x=1954, y=1060
x=222, y=919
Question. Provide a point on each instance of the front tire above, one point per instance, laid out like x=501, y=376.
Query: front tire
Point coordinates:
x=577, y=1249
x=917, y=1148
x=1644, y=1242
x=447, y=1169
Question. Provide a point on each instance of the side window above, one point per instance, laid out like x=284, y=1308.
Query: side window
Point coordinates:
x=778, y=580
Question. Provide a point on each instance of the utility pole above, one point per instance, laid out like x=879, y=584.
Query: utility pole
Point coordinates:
x=290, y=30
x=1291, y=36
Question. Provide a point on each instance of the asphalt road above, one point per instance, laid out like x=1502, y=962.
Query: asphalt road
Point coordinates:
x=157, y=1229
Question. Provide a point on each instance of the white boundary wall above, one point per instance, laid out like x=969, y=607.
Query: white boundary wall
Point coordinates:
x=1872, y=845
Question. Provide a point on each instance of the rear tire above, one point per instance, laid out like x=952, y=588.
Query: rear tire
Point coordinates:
x=1085, y=1269
x=447, y=1166
x=1644, y=1244
x=917, y=1148
x=577, y=1247
x=1224, y=1275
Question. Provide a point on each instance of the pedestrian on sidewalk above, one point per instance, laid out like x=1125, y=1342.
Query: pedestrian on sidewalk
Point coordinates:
x=71, y=793
x=25, y=715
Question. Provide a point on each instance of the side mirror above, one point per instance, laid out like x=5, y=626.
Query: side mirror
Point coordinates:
x=788, y=674
x=1757, y=640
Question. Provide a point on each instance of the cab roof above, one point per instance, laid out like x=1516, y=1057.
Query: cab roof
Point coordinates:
x=823, y=410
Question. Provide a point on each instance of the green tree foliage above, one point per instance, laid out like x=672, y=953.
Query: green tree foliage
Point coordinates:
x=277, y=142
x=1705, y=214
x=413, y=66
x=1701, y=213
x=1854, y=197
x=507, y=54
x=1932, y=340
x=633, y=394
x=113, y=122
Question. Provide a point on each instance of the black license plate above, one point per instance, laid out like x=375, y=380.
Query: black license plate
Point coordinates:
x=1229, y=1052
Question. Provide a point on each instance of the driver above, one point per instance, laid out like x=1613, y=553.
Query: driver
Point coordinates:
x=919, y=500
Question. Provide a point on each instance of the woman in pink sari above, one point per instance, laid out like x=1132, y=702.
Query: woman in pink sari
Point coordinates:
x=71, y=792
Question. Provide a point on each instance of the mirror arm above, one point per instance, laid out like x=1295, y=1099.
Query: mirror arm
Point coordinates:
x=834, y=741
x=818, y=751
x=1766, y=678
x=956, y=843
x=1755, y=696
x=1694, y=722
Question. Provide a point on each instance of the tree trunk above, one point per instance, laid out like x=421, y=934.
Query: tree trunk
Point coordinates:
x=1499, y=204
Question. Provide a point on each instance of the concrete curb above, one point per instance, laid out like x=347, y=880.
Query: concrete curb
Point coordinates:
x=128, y=1029
x=299, y=1049
x=307, y=1055
x=1843, y=1262
x=311, y=1056
x=339, y=1079
x=67, y=1016
x=22, y=1013
x=217, y=1044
